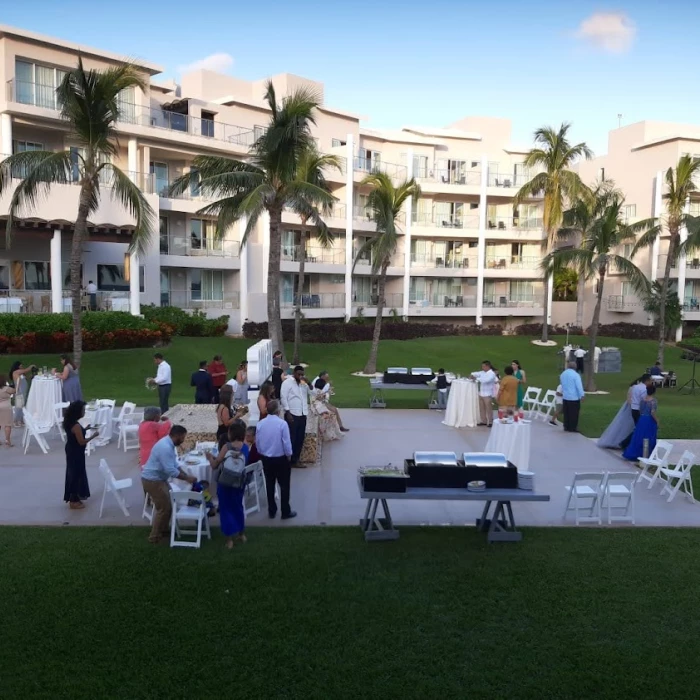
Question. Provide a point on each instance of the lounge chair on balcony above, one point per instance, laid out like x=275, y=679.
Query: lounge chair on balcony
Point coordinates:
x=492, y=224
x=316, y=301
x=502, y=225
x=459, y=300
x=438, y=262
x=501, y=264
x=503, y=301
x=507, y=183
x=45, y=303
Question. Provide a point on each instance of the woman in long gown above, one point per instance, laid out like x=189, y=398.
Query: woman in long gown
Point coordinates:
x=240, y=395
x=647, y=428
x=519, y=374
x=72, y=390
x=622, y=425
x=17, y=375
x=77, y=488
x=328, y=426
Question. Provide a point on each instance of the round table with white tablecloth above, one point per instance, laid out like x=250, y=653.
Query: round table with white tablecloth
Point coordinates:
x=99, y=417
x=195, y=465
x=462, y=404
x=44, y=392
x=512, y=440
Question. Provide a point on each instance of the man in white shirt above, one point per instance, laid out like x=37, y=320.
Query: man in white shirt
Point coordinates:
x=295, y=403
x=92, y=291
x=487, y=381
x=579, y=354
x=164, y=380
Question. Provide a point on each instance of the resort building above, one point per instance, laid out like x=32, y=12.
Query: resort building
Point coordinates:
x=466, y=253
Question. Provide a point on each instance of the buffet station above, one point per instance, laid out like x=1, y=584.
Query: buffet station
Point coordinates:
x=442, y=476
x=403, y=379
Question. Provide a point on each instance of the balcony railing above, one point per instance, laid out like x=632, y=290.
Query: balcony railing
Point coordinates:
x=505, y=223
x=189, y=300
x=186, y=245
x=447, y=176
x=323, y=300
x=314, y=254
x=454, y=261
x=508, y=179
x=436, y=220
x=512, y=301
x=511, y=262
x=39, y=301
x=442, y=301
x=371, y=165
x=623, y=303
x=394, y=300
x=691, y=304
x=360, y=213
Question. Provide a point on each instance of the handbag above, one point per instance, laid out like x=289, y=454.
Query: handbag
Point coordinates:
x=233, y=472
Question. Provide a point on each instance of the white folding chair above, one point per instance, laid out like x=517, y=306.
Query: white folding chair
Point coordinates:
x=531, y=399
x=680, y=474
x=656, y=460
x=255, y=485
x=148, y=509
x=32, y=430
x=113, y=486
x=58, y=409
x=618, y=493
x=183, y=512
x=127, y=408
x=129, y=431
x=546, y=405
x=106, y=403
x=585, y=495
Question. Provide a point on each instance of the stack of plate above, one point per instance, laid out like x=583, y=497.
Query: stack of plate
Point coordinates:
x=526, y=481
x=476, y=486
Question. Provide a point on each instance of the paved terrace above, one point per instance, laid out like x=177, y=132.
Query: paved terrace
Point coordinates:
x=32, y=484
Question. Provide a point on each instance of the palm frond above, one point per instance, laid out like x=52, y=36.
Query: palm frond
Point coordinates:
x=637, y=279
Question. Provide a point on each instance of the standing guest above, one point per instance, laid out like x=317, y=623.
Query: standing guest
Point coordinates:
x=281, y=361
x=225, y=416
x=231, y=510
x=636, y=395
x=295, y=403
x=646, y=429
x=655, y=371
x=486, y=378
x=154, y=427
x=161, y=466
x=442, y=385
x=519, y=374
x=164, y=381
x=21, y=385
x=6, y=393
x=572, y=395
x=240, y=394
x=253, y=454
x=267, y=393
x=508, y=391
x=558, y=405
x=202, y=382
x=277, y=376
x=217, y=370
x=274, y=444
x=77, y=488
x=71, y=381
x=579, y=354
x=92, y=291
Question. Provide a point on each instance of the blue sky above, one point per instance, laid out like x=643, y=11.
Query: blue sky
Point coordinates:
x=427, y=63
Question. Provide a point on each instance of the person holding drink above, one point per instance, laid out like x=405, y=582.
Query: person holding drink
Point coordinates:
x=295, y=403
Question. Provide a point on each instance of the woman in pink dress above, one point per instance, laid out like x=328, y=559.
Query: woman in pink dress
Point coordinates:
x=151, y=429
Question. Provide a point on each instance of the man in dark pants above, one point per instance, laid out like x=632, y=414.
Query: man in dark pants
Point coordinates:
x=639, y=391
x=164, y=380
x=573, y=394
x=273, y=442
x=202, y=383
x=295, y=403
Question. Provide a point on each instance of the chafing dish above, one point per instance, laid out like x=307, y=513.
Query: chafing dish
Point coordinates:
x=422, y=371
x=491, y=467
x=484, y=459
x=435, y=458
x=436, y=470
x=397, y=370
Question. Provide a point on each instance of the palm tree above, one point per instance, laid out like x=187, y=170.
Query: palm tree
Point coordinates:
x=89, y=104
x=553, y=156
x=595, y=258
x=267, y=182
x=385, y=202
x=680, y=183
x=310, y=170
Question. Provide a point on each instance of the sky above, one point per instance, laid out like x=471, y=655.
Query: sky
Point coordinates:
x=429, y=63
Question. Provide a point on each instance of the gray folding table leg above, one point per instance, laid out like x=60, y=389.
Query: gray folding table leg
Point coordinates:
x=372, y=525
x=482, y=523
x=499, y=533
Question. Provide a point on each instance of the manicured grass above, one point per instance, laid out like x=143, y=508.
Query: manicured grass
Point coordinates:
x=120, y=374
x=319, y=613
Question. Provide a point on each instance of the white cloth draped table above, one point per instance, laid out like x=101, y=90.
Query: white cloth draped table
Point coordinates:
x=200, y=469
x=10, y=305
x=462, y=404
x=100, y=418
x=512, y=440
x=44, y=392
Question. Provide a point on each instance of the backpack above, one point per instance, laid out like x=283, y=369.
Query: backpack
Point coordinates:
x=233, y=472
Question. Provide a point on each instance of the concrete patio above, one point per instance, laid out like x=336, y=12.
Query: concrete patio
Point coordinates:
x=32, y=484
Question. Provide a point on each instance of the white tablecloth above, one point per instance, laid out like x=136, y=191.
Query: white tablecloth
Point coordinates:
x=512, y=440
x=44, y=392
x=101, y=417
x=200, y=470
x=10, y=305
x=462, y=404
x=120, y=304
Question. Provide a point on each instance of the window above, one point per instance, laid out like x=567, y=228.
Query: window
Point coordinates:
x=627, y=251
x=159, y=171
x=336, y=279
x=207, y=285
x=473, y=205
x=336, y=143
x=630, y=211
x=126, y=104
x=202, y=235
x=164, y=246
x=208, y=124
x=420, y=166
x=4, y=277
x=36, y=84
x=37, y=275
x=627, y=290
x=287, y=290
x=112, y=278
x=20, y=171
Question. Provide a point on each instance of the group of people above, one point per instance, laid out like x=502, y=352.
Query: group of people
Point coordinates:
x=508, y=391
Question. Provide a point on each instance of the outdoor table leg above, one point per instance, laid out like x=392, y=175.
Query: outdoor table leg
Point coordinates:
x=364, y=522
x=482, y=523
x=377, y=399
x=502, y=526
x=373, y=527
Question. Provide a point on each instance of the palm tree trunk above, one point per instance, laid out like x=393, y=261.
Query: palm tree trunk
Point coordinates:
x=274, y=318
x=580, y=291
x=76, y=258
x=672, y=245
x=593, y=334
x=297, y=303
x=371, y=366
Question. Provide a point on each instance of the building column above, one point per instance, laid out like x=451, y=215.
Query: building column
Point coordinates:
x=134, y=285
x=243, y=274
x=349, y=199
x=147, y=185
x=481, y=248
x=56, y=273
x=5, y=135
x=407, y=239
x=681, y=271
x=133, y=160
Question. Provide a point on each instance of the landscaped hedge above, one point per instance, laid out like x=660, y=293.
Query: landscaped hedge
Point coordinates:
x=102, y=322
x=341, y=332
x=185, y=323
x=535, y=329
x=629, y=331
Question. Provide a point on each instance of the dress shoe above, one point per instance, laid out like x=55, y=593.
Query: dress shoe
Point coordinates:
x=345, y=430
x=298, y=465
x=290, y=515
x=272, y=514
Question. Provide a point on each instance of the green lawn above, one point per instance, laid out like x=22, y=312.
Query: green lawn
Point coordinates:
x=319, y=614
x=120, y=374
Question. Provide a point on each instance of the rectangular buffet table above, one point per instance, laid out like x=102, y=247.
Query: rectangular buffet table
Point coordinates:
x=500, y=527
x=378, y=388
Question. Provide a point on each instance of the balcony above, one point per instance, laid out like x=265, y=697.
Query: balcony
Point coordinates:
x=394, y=300
x=195, y=247
x=692, y=305
x=314, y=254
x=497, y=262
x=362, y=214
x=322, y=300
x=455, y=261
x=508, y=223
x=445, y=221
x=441, y=301
x=192, y=300
x=692, y=268
x=623, y=304
x=39, y=301
x=372, y=165
x=445, y=176
x=508, y=180
x=505, y=301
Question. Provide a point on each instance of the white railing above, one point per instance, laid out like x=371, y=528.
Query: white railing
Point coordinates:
x=509, y=301
x=314, y=254
x=371, y=165
x=448, y=176
x=506, y=223
x=394, y=300
x=496, y=179
x=190, y=300
x=322, y=300
x=453, y=261
x=442, y=301
x=509, y=262
x=437, y=220
x=186, y=245
x=360, y=213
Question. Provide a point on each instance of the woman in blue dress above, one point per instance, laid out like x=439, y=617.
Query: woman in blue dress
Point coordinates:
x=72, y=390
x=646, y=429
x=77, y=488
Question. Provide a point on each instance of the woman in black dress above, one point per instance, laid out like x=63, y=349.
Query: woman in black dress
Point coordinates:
x=225, y=416
x=77, y=487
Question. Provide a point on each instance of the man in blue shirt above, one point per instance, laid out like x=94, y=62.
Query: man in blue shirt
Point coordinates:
x=573, y=394
x=161, y=466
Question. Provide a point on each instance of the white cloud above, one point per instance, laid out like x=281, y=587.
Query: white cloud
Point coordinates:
x=218, y=62
x=612, y=32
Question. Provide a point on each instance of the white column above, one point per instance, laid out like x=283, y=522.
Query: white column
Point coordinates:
x=146, y=186
x=243, y=275
x=349, y=198
x=5, y=135
x=407, y=239
x=265, y=221
x=481, y=248
x=56, y=273
x=134, y=286
x=133, y=160
x=681, y=271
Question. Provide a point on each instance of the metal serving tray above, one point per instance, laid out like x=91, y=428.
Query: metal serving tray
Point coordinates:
x=442, y=459
x=485, y=459
x=422, y=371
x=397, y=370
